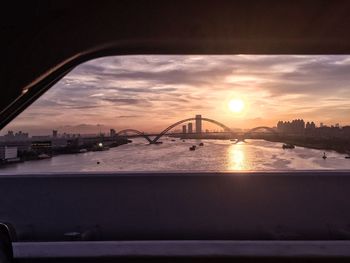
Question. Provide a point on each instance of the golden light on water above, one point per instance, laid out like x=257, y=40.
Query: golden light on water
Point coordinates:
x=236, y=157
x=236, y=105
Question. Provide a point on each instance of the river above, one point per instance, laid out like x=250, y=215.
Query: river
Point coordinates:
x=215, y=155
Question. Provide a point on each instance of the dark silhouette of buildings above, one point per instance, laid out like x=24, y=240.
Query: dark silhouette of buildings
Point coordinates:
x=112, y=133
x=189, y=128
x=295, y=126
x=198, y=124
x=310, y=126
x=298, y=127
x=15, y=136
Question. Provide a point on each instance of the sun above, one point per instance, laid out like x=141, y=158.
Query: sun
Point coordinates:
x=236, y=105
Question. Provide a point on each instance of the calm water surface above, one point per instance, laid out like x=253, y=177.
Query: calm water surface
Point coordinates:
x=215, y=155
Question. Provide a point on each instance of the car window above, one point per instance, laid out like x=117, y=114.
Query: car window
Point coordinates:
x=187, y=113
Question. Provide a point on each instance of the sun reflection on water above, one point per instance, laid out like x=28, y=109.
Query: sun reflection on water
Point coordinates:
x=236, y=157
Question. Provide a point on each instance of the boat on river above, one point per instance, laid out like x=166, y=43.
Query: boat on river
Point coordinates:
x=43, y=156
x=288, y=146
x=192, y=148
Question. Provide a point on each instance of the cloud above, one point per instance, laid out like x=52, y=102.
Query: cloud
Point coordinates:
x=128, y=116
x=123, y=101
x=167, y=88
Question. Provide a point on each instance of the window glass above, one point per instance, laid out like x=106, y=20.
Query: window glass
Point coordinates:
x=187, y=113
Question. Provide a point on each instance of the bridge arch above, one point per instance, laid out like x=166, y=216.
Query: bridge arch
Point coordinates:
x=186, y=120
x=260, y=128
x=124, y=132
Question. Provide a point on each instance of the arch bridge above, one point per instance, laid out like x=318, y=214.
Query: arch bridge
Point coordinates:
x=166, y=130
x=227, y=129
x=259, y=128
x=136, y=132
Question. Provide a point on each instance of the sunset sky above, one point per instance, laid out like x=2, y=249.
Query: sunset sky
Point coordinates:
x=149, y=93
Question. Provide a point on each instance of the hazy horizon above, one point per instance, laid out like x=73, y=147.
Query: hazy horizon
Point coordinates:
x=150, y=92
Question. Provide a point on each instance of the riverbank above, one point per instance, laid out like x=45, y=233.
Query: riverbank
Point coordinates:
x=340, y=145
x=215, y=155
x=333, y=144
x=47, y=153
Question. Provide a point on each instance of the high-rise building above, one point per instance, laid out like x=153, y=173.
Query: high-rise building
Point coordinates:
x=198, y=123
x=310, y=125
x=184, y=128
x=295, y=126
x=54, y=133
x=189, y=128
x=8, y=153
x=112, y=132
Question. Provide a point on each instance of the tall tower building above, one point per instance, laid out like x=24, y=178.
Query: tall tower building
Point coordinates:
x=112, y=132
x=184, y=128
x=190, y=130
x=198, y=123
x=54, y=133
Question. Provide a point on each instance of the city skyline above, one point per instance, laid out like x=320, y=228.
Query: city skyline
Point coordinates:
x=193, y=126
x=151, y=92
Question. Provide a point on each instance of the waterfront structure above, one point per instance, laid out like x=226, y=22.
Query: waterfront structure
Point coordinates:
x=59, y=142
x=184, y=128
x=42, y=146
x=198, y=124
x=20, y=140
x=8, y=153
x=190, y=129
x=22, y=146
